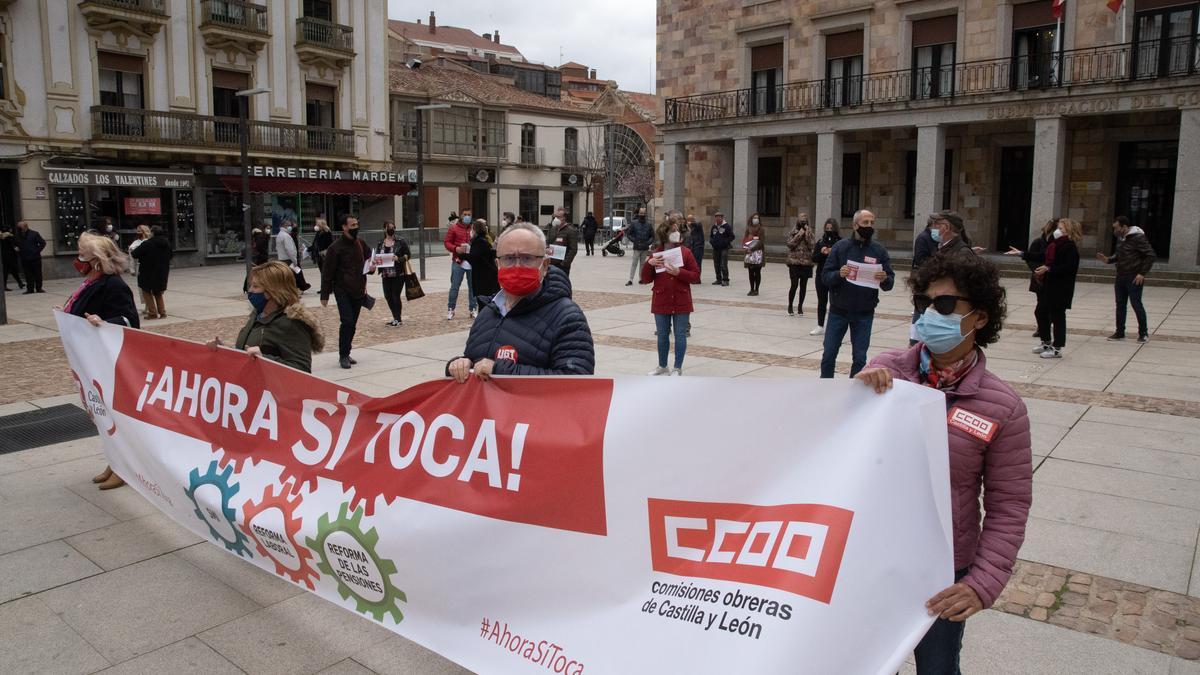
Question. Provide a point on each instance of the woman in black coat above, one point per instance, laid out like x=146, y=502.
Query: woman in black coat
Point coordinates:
x=482, y=257
x=820, y=252
x=154, y=258
x=102, y=297
x=1034, y=256
x=1057, y=276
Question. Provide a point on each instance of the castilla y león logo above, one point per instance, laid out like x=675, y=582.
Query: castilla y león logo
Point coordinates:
x=791, y=547
x=92, y=397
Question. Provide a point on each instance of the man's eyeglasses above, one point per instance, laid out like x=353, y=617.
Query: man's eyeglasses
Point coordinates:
x=944, y=304
x=520, y=259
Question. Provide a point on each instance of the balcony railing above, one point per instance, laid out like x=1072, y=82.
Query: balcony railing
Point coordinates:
x=1142, y=61
x=235, y=14
x=171, y=129
x=148, y=6
x=532, y=156
x=321, y=33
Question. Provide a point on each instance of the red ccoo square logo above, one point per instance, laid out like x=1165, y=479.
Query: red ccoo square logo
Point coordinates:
x=791, y=547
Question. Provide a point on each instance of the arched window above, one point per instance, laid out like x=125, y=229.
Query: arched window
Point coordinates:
x=571, y=147
x=528, y=143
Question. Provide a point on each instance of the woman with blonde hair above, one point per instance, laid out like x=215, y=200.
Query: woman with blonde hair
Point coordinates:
x=154, y=267
x=102, y=297
x=1057, y=276
x=279, y=328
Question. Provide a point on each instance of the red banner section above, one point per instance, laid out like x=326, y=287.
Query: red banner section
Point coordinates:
x=527, y=459
x=792, y=547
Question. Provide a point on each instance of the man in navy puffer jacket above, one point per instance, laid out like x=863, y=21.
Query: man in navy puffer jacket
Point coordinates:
x=537, y=330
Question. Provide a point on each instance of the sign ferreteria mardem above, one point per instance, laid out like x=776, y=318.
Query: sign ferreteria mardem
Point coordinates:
x=260, y=171
x=118, y=178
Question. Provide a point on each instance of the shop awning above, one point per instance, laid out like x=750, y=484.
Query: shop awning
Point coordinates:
x=313, y=186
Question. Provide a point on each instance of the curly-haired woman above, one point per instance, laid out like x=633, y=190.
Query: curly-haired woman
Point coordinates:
x=962, y=308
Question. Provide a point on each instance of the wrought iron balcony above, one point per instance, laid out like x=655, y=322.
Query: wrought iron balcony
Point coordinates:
x=182, y=132
x=143, y=18
x=1131, y=62
x=320, y=41
x=532, y=156
x=234, y=23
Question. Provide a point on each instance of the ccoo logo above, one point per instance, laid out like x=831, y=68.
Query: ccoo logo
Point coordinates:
x=791, y=547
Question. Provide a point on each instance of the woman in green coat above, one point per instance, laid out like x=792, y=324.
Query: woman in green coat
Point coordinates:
x=279, y=327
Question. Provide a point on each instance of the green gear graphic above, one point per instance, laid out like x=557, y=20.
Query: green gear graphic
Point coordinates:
x=351, y=524
x=221, y=481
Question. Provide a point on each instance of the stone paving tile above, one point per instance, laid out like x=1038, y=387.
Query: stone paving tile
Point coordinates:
x=186, y=657
x=34, y=640
x=347, y=667
x=1145, y=617
x=400, y=656
x=132, y=540
x=38, y=568
x=55, y=514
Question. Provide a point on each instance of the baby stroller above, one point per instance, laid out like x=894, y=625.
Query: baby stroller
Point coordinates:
x=614, y=245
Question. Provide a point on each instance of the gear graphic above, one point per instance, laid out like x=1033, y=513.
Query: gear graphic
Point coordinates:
x=240, y=460
x=278, y=499
x=351, y=525
x=221, y=481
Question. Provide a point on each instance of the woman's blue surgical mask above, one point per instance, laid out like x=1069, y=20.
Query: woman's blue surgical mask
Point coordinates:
x=258, y=301
x=941, y=333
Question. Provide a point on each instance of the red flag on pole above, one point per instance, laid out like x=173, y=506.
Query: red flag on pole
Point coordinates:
x=1057, y=8
x=1115, y=5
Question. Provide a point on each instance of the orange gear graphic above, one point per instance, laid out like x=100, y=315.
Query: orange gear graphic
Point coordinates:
x=291, y=524
x=240, y=461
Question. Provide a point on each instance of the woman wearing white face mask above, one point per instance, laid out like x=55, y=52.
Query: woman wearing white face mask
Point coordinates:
x=672, y=301
x=962, y=307
x=754, y=244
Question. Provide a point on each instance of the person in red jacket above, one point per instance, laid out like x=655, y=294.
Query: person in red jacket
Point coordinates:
x=672, y=301
x=458, y=243
x=962, y=308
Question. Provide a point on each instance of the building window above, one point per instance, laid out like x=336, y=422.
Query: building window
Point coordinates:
x=770, y=186
x=910, y=183
x=569, y=206
x=223, y=216
x=528, y=144
x=766, y=75
x=843, y=68
x=495, y=136
x=1165, y=41
x=120, y=80
x=571, y=147
x=454, y=131
x=3, y=67
x=933, y=56
x=1036, y=49
x=851, y=183
x=404, y=126
x=78, y=209
x=225, y=103
x=527, y=205
x=319, y=9
x=319, y=111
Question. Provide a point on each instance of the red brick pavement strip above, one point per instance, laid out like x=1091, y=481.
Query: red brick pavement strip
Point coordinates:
x=43, y=370
x=1104, y=399
x=1144, y=617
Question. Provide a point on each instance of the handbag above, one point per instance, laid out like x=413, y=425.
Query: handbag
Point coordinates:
x=412, y=285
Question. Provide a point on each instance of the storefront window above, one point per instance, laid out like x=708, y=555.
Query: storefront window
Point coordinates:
x=223, y=214
x=77, y=210
x=70, y=214
x=185, y=220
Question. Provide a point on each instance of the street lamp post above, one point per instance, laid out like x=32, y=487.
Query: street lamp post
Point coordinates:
x=421, y=180
x=244, y=139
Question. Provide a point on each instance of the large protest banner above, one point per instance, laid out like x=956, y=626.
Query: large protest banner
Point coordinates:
x=563, y=525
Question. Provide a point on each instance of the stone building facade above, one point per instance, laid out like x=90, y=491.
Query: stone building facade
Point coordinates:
x=127, y=110
x=995, y=108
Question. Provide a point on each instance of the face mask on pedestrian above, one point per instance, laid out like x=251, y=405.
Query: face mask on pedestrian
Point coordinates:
x=108, y=228
x=519, y=281
x=466, y=220
x=353, y=231
x=82, y=266
x=754, y=221
x=674, y=237
x=390, y=231
x=941, y=333
x=258, y=301
x=556, y=222
x=1058, y=233
x=936, y=234
x=866, y=232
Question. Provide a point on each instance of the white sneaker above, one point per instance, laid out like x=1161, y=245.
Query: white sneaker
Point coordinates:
x=677, y=371
x=819, y=330
x=659, y=371
x=1052, y=353
x=474, y=313
x=1041, y=348
x=449, y=315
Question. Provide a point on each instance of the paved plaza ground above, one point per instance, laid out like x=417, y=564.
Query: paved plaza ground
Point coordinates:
x=1108, y=582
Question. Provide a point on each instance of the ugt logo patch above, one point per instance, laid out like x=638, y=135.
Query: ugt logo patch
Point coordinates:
x=506, y=353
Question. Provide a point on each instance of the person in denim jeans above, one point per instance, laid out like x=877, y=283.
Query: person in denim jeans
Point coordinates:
x=851, y=306
x=671, y=304
x=1134, y=257
x=458, y=243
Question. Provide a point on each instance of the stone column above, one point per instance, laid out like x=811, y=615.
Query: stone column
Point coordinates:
x=829, y=178
x=675, y=157
x=931, y=172
x=745, y=181
x=1185, y=231
x=1049, y=172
